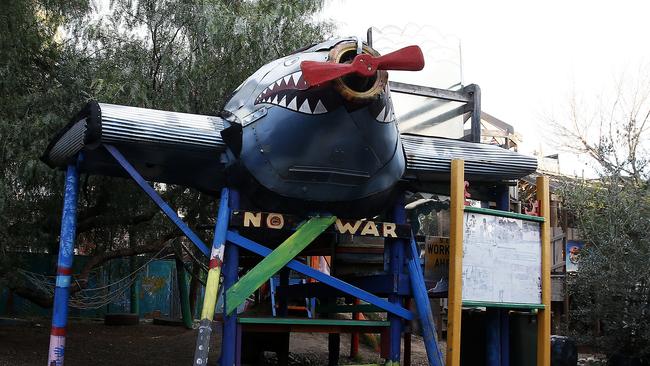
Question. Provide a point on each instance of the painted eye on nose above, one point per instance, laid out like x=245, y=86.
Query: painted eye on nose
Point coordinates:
x=291, y=61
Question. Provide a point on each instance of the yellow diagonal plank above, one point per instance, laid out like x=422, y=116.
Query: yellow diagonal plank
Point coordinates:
x=273, y=262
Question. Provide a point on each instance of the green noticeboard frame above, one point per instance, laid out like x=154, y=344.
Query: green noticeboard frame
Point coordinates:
x=512, y=215
x=505, y=305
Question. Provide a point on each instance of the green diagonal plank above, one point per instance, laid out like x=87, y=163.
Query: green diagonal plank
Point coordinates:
x=273, y=262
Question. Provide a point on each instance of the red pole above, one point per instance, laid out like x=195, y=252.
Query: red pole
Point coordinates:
x=354, y=337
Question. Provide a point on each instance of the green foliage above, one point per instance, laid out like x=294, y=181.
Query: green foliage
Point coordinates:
x=610, y=293
x=35, y=92
x=178, y=55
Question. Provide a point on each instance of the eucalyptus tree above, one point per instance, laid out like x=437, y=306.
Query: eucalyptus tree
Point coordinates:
x=176, y=55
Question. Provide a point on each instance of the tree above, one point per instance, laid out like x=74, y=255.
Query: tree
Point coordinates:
x=175, y=55
x=610, y=292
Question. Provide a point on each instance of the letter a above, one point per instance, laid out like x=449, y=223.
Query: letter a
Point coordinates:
x=370, y=228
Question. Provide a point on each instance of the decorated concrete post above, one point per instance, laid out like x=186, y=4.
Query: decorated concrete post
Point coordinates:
x=230, y=272
x=395, y=264
x=64, y=267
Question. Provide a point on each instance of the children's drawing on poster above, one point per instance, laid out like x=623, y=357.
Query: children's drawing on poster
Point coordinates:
x=501, y=259
x=572, y=253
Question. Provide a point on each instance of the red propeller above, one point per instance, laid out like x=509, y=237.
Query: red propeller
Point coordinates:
x=408, y=58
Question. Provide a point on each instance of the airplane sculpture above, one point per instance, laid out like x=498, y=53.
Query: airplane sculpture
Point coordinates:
x=312, y=131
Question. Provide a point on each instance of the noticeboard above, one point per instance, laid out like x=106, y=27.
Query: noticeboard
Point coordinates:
x=501, y=260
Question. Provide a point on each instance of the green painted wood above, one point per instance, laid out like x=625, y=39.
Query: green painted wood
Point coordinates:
x=512, y=215
x=273, y=262
x=363, y=308
x=305, y=321
x=509, y=305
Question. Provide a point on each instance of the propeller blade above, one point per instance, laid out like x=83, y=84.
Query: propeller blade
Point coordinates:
x=315, y=72
x=408, y=58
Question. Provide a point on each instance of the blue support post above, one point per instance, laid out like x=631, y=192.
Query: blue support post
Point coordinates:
x=505, y=337
x=231, y=266
x=395, y=264
x=273, y=293
x=492, y=337
x=423, y=306
x=171, y=214
x=503, y=203
x=64, y=267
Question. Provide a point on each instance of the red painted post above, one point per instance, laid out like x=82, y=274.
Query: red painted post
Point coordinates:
x=354, y=337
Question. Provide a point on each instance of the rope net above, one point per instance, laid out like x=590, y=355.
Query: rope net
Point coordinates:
x=90, y=298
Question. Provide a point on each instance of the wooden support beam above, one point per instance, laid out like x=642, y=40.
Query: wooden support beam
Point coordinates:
x=273, y=262
x=361, y=308
x=380, y=285
x=544, y=315
x=455, y=262
x=315, y=322
x=166, y=209
x=426, y=91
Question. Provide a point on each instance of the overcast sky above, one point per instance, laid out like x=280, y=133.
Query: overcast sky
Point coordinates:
x=529, y=58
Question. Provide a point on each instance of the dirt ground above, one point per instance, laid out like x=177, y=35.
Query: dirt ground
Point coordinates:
x=93, y=343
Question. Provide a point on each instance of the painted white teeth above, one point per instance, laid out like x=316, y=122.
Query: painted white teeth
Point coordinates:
x=382, y=115
x=305, y=107
x=389, y=113
x=293, y=104
x=320, y=108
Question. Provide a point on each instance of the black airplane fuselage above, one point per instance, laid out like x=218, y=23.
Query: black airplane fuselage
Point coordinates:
x=333, y=147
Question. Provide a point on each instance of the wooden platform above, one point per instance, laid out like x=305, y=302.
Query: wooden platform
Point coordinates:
x=302, y=325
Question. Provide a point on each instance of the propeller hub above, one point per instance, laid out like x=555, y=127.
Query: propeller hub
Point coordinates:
x=364, y=85
x=365, y=65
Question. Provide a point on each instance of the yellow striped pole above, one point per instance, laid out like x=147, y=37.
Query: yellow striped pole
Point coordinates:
x=455, y=262
x=212, y=285
x=544, y=315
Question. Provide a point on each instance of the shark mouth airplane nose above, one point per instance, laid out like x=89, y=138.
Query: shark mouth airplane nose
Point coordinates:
x=291, y=92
